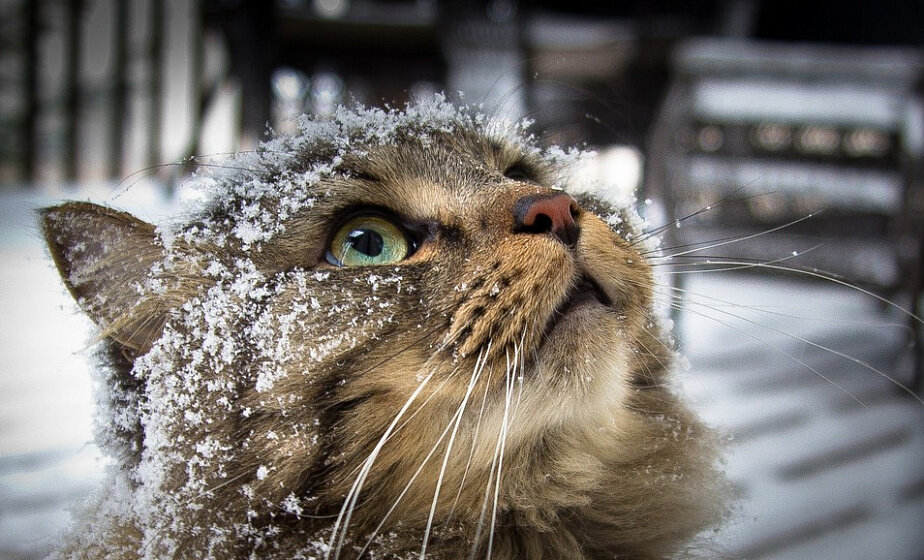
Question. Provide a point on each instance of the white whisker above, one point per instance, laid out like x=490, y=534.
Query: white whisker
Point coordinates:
x=720, y=264
x=487, y=490
x=349, y=503
x=828, y=278
x=417, y=411
x=479, y=366
x=502, y=441
x=722, y=243
x=804, y=340
x=521, y=364
x=772, y=310
x=471, y=453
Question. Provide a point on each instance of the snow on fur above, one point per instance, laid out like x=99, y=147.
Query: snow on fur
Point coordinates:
x=249, y=201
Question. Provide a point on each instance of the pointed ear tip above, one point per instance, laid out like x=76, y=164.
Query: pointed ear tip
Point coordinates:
x=50, y=216
x=47, y=213
x=78, y=215
x=53, y=221
x=49, y=221
x=65, y=224
x=73, y=207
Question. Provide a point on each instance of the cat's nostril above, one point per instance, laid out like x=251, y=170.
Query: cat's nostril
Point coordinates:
x=547, y=214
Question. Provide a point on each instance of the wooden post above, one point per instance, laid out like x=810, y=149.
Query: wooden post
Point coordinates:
x=197, y=68
x=199, y=101
x=119, y=106
x=72, y=64
x=155, y=84
x=251, y=31
x=29, y=122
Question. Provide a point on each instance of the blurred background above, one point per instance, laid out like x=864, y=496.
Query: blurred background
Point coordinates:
x=780, y=144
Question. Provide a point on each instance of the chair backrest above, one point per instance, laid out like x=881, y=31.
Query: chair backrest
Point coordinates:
x=778, y=132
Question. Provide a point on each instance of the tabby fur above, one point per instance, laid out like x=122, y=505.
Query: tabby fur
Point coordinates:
x=261, y=402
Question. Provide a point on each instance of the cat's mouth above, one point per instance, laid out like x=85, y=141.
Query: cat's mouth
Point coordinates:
x=583, y=293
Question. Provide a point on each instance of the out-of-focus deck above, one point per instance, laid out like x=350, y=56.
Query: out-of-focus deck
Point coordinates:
x=826, y=452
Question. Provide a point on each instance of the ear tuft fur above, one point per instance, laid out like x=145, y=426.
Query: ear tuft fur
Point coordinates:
x=105, y=258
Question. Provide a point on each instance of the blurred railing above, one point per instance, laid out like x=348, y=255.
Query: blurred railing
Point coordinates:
x=810, y=158
x=91, y=89
x=107, y=89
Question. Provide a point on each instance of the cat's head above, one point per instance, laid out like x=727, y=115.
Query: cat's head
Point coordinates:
x=400, y=311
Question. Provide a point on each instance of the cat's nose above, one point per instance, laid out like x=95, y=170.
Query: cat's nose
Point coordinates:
x=547, y=214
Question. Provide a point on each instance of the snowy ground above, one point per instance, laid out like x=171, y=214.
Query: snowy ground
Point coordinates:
x=48, y=462
x=828, y=462
x=827, y=451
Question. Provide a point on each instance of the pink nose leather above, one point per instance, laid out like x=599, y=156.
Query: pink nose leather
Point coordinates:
x=547, y=214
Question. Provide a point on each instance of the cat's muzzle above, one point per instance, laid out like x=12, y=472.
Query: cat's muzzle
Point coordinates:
x=583, y=292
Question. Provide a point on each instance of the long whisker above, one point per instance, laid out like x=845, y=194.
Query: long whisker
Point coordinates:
x=717, y=263
x=770, y=310
x=346, y=511
x=502, y=440
x=422, y=405
x=520, y=364
x=411, y=344
x=819, y=346
x=774, y=349
x=413, y=478
x=712, y=245
x=479, y=366
x=358, y=470
x=828, y=278
x=708, y=208
x=428, y=365
x=494, y=472
x=471, y=454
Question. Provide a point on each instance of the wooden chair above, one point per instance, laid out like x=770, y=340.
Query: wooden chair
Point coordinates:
x=807, y=156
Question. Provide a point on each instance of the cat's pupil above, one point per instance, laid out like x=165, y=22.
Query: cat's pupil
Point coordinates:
x=366, y=241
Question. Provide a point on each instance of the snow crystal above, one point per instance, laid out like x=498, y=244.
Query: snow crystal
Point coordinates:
x=292, y=505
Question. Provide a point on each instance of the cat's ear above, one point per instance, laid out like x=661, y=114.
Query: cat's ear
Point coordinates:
x=106, y=258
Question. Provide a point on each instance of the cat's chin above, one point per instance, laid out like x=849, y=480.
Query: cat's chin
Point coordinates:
x=583, y=362
x=584, y=294
x=589, y=331
x=574, y=330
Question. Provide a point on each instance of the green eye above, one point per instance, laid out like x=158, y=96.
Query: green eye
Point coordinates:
x=368, y=240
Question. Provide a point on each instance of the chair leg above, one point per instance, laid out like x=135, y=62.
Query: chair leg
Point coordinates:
x=917, y=322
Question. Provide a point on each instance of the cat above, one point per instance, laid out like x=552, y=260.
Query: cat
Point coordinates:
x=399, y=333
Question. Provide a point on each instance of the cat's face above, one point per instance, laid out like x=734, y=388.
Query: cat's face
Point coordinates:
x=372, y=323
